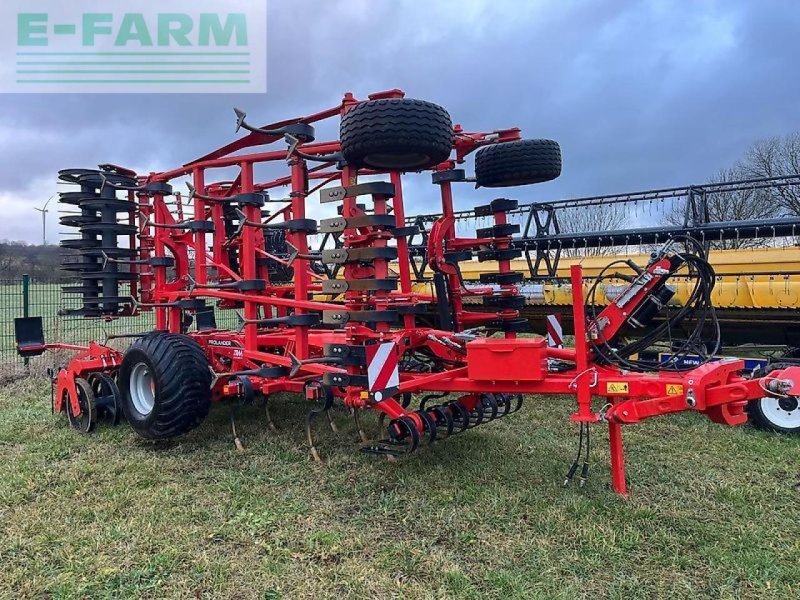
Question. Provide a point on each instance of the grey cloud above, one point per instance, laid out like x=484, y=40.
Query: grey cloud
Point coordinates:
x=639, y=94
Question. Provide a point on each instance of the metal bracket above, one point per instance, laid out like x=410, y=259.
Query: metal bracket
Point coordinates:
x=375, y=188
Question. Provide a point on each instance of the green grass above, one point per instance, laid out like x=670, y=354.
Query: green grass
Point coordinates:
x=714, y=512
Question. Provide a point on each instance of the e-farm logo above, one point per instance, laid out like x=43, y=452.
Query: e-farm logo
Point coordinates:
x=134, y=46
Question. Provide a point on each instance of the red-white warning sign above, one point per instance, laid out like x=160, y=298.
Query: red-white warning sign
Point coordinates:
x=382, y=367
x=555, y=334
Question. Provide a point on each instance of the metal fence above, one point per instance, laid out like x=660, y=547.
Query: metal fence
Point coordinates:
x=27, y=296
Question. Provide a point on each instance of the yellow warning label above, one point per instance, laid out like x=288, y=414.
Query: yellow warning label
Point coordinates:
x=616, y=387
x=674, y=389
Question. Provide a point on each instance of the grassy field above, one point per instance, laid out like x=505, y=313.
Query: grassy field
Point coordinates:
x=713, y=512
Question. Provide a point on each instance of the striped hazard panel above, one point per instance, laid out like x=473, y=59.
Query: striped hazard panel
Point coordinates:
x=382, y=366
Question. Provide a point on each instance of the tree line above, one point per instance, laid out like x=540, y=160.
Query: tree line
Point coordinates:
x=40, y=262
x=773, y=157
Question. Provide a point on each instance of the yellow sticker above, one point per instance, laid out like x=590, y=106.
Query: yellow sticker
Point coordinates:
x=674, y=389
x=616, y=387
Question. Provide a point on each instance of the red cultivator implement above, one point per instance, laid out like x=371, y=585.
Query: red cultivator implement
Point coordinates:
x=327, y=307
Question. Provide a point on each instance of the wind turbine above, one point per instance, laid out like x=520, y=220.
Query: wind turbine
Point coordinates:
x=44, y=212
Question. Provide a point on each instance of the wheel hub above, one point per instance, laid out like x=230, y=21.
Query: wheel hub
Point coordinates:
x=142, y=389
x=781, y=412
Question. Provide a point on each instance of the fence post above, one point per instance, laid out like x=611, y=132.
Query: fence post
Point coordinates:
x=26, y=301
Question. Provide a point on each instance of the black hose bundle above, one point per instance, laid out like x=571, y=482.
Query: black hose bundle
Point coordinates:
x=691, y=318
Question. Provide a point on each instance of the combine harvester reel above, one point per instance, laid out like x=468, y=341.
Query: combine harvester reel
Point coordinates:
x=327, y=307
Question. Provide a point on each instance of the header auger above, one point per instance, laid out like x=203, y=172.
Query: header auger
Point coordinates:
x=327, y=306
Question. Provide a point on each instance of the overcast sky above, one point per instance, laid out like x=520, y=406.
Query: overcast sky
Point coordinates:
x=639, y=94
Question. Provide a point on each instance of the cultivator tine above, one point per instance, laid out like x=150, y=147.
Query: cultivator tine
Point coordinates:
x=331, y=424
x=240, y=118
x=425, y=399
x=310, y=417
x=270, y=423
x=361, y=433
x=236, y=441
x=294, y=133
x=316, y=391
x=247, y=396
x=443, y=420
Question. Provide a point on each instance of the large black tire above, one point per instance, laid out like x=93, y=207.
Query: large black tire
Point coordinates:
x=176, y=372
x=396, y=134
x=521, y=162
x=781, y=415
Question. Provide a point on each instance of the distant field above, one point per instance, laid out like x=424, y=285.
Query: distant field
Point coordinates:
x=713, y=511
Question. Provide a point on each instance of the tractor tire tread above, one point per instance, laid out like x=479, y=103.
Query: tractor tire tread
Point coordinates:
x=183, y=383
x=396, y=125
x=520, y=162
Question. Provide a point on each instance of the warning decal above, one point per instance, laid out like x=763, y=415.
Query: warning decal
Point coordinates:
x=674, y=389
x=616, y=387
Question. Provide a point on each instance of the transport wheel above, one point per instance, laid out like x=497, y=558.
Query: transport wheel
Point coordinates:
x=396, y=134
x=166, y=385
x=781, y=415
x=87, y=420
x=521, y=162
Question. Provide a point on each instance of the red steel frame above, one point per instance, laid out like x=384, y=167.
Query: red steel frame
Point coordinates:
x=718, y=389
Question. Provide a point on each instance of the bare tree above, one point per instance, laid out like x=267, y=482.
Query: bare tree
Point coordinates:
x=40, y=262
x=776, y=157
x=589, y=219
x=740, y=205
x=7, y=259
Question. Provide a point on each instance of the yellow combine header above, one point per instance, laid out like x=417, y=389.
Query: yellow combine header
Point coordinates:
x=748, y=279
x=756, y=293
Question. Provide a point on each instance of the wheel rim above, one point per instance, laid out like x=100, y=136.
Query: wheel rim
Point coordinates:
x=142, y=389
x=782, y=412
